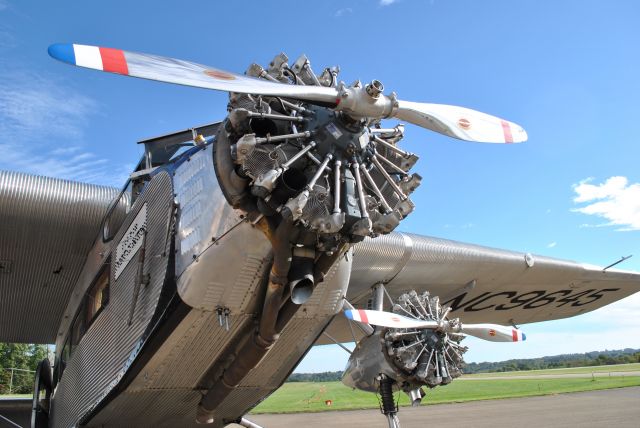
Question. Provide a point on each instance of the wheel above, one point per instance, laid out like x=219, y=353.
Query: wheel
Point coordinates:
x=41, y=395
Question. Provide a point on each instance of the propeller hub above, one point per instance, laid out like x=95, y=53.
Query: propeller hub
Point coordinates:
x=375, y=88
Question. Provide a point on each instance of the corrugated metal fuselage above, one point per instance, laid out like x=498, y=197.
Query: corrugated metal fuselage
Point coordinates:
x=145, y=358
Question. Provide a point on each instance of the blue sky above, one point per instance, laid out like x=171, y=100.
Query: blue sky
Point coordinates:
x=567, y=71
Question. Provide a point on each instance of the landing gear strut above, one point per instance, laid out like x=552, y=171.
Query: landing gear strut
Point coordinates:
x=41, y=395
x=387, y=404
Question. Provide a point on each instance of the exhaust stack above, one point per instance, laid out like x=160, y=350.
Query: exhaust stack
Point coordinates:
x=301, y=278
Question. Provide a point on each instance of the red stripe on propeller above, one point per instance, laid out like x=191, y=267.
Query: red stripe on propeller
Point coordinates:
x=506, y=128
x=113, y=61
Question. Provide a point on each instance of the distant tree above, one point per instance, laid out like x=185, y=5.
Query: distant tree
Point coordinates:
x=596, y=358
x=19, y=356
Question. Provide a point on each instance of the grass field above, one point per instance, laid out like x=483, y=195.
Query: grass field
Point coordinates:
x=593, y=369
x=311, y=396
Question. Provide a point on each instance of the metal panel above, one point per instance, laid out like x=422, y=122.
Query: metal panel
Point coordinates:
x=188, y=353
x=47, y=227
x=221, y=257
x=109, y=346
x=151, y=408
x=380, y=259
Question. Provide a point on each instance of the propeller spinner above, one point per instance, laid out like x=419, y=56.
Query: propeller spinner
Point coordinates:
x=356, y=101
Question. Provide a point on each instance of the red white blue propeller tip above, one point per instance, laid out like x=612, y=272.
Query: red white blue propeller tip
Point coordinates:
x=103, y=59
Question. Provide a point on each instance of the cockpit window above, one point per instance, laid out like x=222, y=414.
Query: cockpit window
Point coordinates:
x=117, y=213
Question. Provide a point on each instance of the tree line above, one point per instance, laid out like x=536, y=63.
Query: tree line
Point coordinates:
x=596, y=358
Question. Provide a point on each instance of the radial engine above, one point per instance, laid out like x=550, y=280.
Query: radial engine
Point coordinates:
x=406, y=359
x=338, y=178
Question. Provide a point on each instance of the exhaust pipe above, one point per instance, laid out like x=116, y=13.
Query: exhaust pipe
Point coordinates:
x=301, y=281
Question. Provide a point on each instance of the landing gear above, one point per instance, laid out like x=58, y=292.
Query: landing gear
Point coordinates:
x=41, y=395
x=388, y=406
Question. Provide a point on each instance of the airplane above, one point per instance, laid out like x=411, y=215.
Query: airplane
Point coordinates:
x=189, y=295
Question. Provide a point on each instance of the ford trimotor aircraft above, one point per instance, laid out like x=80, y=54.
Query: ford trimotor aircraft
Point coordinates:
x=189, y=296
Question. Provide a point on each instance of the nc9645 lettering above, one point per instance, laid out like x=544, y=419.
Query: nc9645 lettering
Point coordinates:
x=507, y=300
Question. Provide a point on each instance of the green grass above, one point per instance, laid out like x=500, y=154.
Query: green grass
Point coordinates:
x=594, y=369
x=16, y=395
x=310, y=396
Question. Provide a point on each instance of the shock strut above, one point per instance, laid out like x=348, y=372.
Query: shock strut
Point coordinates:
x=387, y=404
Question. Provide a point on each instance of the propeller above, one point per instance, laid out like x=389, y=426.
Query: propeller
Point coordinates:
x=357, y=101
x=490, y=332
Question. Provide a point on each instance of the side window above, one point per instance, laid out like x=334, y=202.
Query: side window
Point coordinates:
x=61, y=362
x=98, y=296
x=78, y=328
x=94, y=301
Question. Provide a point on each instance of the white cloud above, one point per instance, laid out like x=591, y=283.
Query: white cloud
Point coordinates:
x=3, y=4
x=41, y=127
x=615, y=200
x=343, y=12
x=387, y=2
x=552, y=244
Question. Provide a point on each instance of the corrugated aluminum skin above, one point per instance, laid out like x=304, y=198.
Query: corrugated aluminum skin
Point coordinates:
x=109, y=346
x=164, y=394
x=47, y=227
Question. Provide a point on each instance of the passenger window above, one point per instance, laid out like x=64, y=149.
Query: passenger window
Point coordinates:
x=98, y=296
x=78, y=328
x=62, y=361
x=94, y=301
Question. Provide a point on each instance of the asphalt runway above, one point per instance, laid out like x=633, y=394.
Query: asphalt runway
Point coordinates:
x=619, y=408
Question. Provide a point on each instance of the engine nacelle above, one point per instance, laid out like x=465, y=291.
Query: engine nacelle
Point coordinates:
x=410, y=357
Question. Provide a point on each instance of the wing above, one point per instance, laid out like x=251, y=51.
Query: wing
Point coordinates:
x=481, y=284
x=47, y=228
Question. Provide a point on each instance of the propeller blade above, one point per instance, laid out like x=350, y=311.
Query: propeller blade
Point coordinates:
x=490, y=332
x=387, y=319
x=460, y=122
x=493, y=332
x=180, y=72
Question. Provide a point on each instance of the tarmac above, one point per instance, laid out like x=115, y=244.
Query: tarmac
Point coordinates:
x=619, y=408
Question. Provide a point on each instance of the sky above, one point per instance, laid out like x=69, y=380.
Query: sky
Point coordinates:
x=566, y=71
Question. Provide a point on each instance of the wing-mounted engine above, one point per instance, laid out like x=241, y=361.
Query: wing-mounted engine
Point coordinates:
x=408, y=358
x=414, y=346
